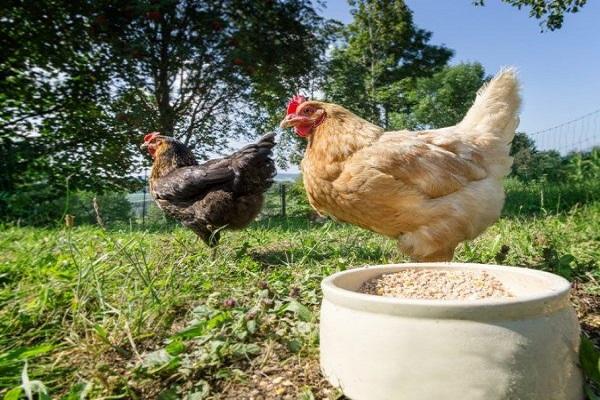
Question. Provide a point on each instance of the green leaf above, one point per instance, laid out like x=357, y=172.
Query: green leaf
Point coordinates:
x=13, y=394
x=202, y=311
x=102, y=334
x=25, y=352
x=216, y=346
x=223, y=373
x=245, y=350
x=589, y=357
x=306, y=394
x=169, y=394
x=565, y=272
x=201, y=328
x=564, y=266
x=156, y=358
x=217, y=320
x=191, y=332
x=566, y=260
x=251, y=326
x=78, y=391
x=294, y=345
x=201, y=391
x=300, y=310
x=175, y=347
x=589, y=391
x=252, y=349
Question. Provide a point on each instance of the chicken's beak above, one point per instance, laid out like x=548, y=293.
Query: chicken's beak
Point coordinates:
x=289, y=121
x=144, y=146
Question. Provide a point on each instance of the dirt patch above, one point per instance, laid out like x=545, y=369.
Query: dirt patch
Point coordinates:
x=278, y=375
x=436, y=285
x=587, y=305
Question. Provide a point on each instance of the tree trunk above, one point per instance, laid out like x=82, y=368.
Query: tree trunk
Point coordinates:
x=163, y=89
x=371, y=40
x=386, y=116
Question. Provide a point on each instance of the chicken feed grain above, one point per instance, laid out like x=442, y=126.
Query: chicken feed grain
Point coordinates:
x=432, y=284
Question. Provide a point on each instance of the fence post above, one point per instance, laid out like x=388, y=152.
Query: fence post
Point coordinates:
x=144, y=199
x=282, y=196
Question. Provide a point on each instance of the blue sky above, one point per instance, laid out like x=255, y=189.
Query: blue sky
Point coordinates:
x=560, y=70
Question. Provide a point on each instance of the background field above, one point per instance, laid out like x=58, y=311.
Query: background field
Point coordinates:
x=102, y=297
x=144, y=313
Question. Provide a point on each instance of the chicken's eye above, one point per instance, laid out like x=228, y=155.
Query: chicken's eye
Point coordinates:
x=308, y=110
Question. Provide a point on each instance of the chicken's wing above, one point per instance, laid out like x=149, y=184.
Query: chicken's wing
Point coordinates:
x=188, y=183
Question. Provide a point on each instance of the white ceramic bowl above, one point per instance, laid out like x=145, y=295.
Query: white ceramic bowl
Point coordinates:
x=519, y=348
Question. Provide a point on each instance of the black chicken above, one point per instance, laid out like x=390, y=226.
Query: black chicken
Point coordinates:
x=221, y=193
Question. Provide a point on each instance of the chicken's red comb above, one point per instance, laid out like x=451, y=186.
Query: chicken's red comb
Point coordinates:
x=150, y=136
x=294, y=103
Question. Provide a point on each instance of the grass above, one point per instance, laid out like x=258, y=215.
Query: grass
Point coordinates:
x=149, y=314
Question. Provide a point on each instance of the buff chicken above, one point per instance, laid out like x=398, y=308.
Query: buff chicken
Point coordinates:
x=430, y=190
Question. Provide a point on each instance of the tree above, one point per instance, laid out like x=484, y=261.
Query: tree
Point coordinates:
x=382, y=52
x=551, y=12
x=55, y=107
x=531, y=164
x=523, y=151
x=80, y=81
x=442, y=99
x=204, y=71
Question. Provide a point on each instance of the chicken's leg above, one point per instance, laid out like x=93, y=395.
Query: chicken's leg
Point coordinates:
x=438, y=256
x=421, y=248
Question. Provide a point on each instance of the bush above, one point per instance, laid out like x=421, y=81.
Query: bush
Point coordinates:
x=40, y=207
x=530, y=164
x=113, y=208
x=297, y=201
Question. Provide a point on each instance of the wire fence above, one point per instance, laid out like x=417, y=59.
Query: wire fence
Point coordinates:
x=577, y=135
x=277, y=204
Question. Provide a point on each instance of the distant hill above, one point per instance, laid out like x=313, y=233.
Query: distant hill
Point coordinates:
x=286, y=176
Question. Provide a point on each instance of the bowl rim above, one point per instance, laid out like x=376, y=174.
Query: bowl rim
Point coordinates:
x=493, y=308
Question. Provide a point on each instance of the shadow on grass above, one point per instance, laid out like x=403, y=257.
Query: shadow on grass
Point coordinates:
x=285, y=252
x=277, y=257
x=293, y=223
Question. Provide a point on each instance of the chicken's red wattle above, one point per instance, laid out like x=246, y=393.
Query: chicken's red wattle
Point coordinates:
x=303, y=130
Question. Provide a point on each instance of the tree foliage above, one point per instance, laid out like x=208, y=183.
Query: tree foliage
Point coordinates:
x=81, y=81
x=382, y=51
x=55, y=111
x=204, y=71
x=531, y=164
x=550, y=12
x=442, y=99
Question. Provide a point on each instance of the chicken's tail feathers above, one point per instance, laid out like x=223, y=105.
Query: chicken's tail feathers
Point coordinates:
x=496, y=107
x=254, y=165
x=265, y=144
x=491, y=121
x=267, y=140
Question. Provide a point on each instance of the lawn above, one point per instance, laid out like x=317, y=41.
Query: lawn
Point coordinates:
x=132, y=313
